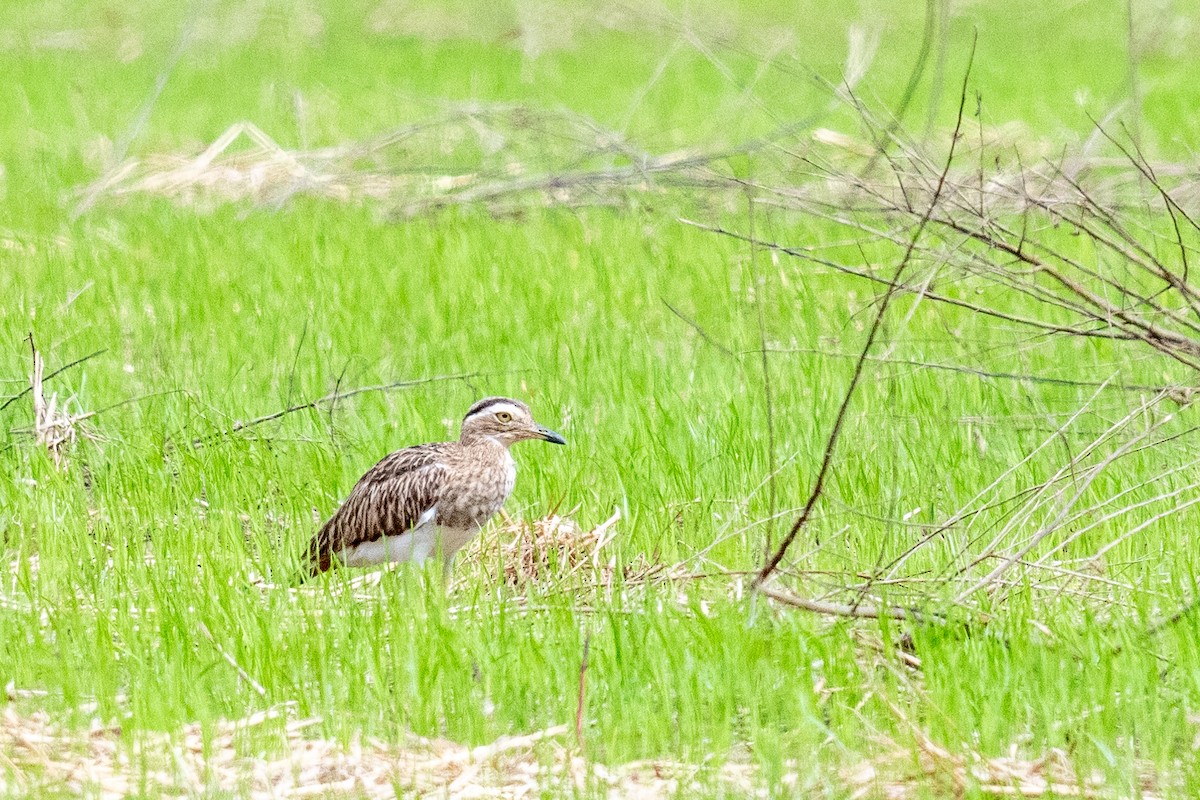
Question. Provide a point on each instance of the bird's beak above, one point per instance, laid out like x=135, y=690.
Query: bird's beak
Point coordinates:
x=550, y=436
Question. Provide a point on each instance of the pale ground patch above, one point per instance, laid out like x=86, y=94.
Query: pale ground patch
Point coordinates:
x=283, y=762
x=40, y=756
x=933, y=770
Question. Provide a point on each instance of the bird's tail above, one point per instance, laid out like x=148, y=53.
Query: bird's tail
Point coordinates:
x=318, y=559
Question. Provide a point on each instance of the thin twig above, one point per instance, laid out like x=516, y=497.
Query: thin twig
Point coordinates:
x=121, y=148
x=857, y=611
x=258, y=688
x=45, y=378
x=1057, y=520
x=941, y=298
x=760, y=302
x=333, y=397
x=981, y=373
x=876, y=326
x=703, y=333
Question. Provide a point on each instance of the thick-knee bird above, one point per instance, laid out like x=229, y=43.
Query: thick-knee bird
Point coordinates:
x=431, y=499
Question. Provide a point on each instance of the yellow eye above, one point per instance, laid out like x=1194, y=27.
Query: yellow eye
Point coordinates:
x=504, y=416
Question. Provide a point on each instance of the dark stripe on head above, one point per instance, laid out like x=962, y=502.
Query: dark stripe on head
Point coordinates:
x=488, y=402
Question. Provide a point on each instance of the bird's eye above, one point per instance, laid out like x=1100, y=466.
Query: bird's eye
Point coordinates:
x=504, y=416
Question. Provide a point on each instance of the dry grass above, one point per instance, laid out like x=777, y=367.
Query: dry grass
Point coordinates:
x=502, y=157
x=104, y=763
x=519, y=552
x=55, y=426
x=270, y=755
x=556, y=550
x=281, y=762
x=899, y=774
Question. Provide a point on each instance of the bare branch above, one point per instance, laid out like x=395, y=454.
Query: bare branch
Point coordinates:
x=856, y=611
x=876, y=326
x=9, y=401
x=334, y=397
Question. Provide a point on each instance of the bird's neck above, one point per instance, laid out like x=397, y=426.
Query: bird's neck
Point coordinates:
x=483, y=440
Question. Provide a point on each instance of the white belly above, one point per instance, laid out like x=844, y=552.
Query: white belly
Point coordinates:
x=421, y=543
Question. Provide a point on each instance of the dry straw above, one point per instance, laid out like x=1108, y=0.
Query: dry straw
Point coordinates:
x=271, y=754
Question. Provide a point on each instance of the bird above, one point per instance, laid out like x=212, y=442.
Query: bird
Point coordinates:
x=429, y=500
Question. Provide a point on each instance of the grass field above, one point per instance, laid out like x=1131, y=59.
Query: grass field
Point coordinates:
x=144, y=597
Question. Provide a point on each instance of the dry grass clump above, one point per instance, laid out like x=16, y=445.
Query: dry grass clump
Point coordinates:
x=501, y=157
x=547, y=552
x=55, y=427
x=555, y=548
x=262, y=171
x=520, y=552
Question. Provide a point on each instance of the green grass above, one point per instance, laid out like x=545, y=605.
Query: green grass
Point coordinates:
x=214, y=316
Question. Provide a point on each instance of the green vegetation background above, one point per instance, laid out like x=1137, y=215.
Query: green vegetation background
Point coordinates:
x=213, y=315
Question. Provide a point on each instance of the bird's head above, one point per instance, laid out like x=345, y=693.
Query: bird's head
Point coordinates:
x=505, y=421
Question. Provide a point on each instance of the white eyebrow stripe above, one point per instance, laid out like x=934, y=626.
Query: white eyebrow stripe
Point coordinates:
x=496, y=408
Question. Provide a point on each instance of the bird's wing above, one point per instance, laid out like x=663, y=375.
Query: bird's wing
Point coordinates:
x=389, y=500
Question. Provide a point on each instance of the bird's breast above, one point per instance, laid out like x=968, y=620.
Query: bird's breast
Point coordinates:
x=477, y=494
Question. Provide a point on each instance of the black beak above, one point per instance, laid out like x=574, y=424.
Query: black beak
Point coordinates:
x=549, y=435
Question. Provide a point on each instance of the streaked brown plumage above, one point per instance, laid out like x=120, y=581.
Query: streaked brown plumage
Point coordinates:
x=430, y=498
